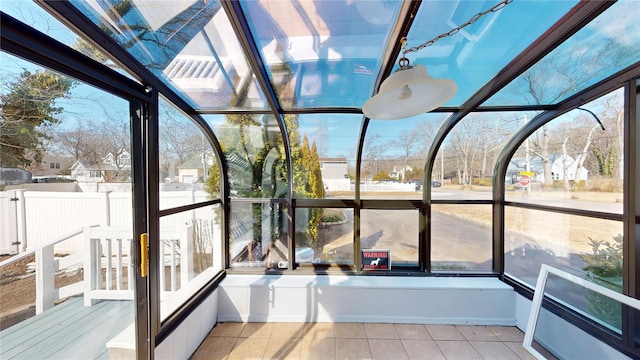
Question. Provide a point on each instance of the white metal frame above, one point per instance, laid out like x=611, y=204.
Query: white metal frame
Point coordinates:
x=539, y=295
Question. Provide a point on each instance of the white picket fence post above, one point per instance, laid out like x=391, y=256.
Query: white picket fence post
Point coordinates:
x=45, y=281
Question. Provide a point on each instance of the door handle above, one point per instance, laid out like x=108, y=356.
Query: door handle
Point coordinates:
x=144, y=252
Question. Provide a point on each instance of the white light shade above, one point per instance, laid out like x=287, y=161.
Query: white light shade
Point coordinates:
x=409, y=92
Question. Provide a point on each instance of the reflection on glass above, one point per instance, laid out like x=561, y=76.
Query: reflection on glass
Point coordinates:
x=324, y=236
x=254, y=150
x=601, y=308
x=574, y=161
x=605, y=46
x=461, y=237
x=258, y=235
x=329, y=141
x=575, y=244
x=395, y=230
x=394, y=156
x=189, y=171
x=182, y=43
x=190, y=248
x=321, y=53
x=74, y=237
x=467, y=157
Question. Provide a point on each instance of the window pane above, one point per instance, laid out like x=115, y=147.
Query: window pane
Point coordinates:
x=189, y=171
x=394, y=156
x=258, y=235
x=190, y=254
x=580, y=245
x=461, y=237
x=467, y=157
x=574, y=161
x=255, y=156
x=395, y=230
x=324, y=236
x=334, y=138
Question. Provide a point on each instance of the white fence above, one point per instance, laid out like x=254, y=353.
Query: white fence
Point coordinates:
x=31, y=219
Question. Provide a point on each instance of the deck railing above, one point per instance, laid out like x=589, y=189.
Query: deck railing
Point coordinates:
x=106, y=262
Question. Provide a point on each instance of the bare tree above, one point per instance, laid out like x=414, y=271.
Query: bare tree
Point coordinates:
x=408, y=141
x=374, y=149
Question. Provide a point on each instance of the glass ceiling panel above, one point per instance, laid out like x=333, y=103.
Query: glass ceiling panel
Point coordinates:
x=33, y=15
x=608, y=44
x=476, y=54
x=190, y=45
x=322, y=53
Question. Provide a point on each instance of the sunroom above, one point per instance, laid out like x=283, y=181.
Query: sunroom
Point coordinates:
x=446, y=162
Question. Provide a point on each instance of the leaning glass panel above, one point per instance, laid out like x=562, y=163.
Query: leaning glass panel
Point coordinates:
x=588, y=247
x=258, y=234
x=324, y=236
x=65, y=155
x=574, y=161
x=461, y=237
x=189, y=171
x=394, y=230
x=323, y=144
x=549, y=332
x=394, y=156
x=190, y=251
x=254, y=150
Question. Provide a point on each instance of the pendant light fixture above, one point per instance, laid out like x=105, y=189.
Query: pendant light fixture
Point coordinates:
x=410, y=90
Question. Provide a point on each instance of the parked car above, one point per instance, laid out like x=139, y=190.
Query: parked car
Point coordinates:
x=435, y=183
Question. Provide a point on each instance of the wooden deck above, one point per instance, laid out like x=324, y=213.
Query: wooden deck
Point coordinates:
x=68, y=331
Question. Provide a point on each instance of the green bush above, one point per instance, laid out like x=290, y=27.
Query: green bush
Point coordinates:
x=605, y=259
x=604, y=267
x=332, y=218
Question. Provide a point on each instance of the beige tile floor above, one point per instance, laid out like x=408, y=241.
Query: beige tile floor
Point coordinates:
x=325, y=341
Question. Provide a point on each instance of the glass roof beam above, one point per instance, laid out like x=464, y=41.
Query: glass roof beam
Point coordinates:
x=238, y=21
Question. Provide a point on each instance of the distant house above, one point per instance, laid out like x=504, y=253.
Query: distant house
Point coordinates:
x=399, y=172
x=194, y=170
x=122, y=160
x=112, y=168
x=334, y=168
x=335, y=173
x=558, y=163
x=572, y=172
x=93, y=173
x=51, y=166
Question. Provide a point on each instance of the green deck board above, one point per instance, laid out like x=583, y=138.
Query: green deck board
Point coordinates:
x=71, y=331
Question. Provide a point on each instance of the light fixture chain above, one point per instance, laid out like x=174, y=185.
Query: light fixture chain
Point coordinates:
x=454, y=31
